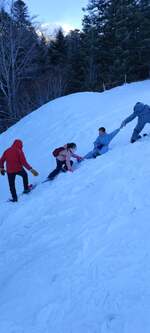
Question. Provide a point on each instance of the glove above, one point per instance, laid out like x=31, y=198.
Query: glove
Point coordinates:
x=123, y=124
x=79, y=158
x=71, y=170
x=2, y=172
x=34, y=172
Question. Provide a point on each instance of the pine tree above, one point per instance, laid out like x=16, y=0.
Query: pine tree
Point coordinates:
x=57, y=64
x=58, y=49
x=93, y=44
x=75, y=61
x=144, y=39
x=20, y=13
x=119, y=33
x=96, y=15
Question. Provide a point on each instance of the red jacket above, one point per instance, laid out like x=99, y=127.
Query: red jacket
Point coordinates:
x=14, y=158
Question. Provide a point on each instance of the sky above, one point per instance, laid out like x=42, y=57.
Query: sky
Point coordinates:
x=65, y=13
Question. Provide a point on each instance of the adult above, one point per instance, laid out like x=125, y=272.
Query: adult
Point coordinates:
x=15, y=163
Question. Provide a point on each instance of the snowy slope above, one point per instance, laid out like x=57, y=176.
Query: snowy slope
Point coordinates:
x=75, y=254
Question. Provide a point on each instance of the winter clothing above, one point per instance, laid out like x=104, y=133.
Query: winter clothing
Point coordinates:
x=13, y=200
x=34, y=172
x=101, y=144
x=2, y=172
x=64, y=162
x=61, y=166
x=65, y=156
x=11, y=181
x=14, y=158
x=15, y=161
x=142, y=111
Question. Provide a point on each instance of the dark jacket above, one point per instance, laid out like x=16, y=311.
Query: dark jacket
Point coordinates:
x=142, y=111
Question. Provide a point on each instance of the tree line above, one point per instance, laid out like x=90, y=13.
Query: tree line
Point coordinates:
x=112, y=48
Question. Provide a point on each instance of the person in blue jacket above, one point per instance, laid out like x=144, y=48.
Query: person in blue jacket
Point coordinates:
x=142, y=111
x=101, y=144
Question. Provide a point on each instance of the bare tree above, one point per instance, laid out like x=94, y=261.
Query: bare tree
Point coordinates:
x=18, y=49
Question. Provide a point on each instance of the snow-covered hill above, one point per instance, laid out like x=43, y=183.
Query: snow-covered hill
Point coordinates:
x=75, y=253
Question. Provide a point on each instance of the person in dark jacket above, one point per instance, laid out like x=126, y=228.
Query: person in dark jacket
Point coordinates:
x=142, y=111
x=101, y=144
x=15, y=162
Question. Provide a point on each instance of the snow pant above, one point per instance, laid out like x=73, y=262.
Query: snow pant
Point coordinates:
x=93, y=153
x=61, y=166
x=11, y=181
x=140, y=125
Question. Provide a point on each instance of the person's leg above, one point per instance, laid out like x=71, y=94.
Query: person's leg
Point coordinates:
x=24, y=176
x=56, y=171
x=92, y=154
x=89, y=155
x=135, y=136
x=11, y=181
x=64, y=166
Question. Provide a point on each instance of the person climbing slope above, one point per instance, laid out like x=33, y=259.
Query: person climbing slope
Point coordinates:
x=63, y=159
x=142, y=111
x=15, y=162
x=101, y=144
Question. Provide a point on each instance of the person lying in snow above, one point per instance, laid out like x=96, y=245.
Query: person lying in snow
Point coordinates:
x=15, y=161
x=63, y=159
x=142, y=111
x=101, y=144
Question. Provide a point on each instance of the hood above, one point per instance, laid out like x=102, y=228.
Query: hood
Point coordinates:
x=17, y=144
x=138, y=106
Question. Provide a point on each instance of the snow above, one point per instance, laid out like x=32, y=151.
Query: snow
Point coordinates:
x=75, y=253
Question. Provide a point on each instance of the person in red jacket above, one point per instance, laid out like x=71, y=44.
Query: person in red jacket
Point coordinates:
x=15, y=162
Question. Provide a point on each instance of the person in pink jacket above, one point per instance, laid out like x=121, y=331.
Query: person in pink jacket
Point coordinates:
x=63, y=159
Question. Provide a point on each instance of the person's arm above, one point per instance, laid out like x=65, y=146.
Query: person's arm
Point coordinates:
x=24, y=161
x=27, y=165
x=2, y=161
x=128, y=119
x=113, y=134
x=96, y=142
x=79, y=158
x=68, y=155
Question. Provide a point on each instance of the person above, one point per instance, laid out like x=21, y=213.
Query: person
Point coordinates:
x=101, y=144
x=63, y=160
x=142, y=111
x=15, y=162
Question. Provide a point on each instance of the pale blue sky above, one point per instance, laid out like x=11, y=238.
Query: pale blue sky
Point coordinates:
x=63, y=12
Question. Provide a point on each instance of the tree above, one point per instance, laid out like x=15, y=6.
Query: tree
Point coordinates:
x=57, y=64
x=20, y=13
x=144, y=38
x=18, y=63
x=75, y=61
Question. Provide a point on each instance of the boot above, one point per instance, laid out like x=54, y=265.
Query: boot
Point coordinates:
x=13, y=200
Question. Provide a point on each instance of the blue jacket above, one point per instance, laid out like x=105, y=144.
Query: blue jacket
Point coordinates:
x=142, y=111
x=102, y=141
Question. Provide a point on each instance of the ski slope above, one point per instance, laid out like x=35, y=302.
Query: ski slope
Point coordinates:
x=75, y=253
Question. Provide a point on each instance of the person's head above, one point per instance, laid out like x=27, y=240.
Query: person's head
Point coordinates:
x=102, y=130
x=18, y=144
x=138, y=106
x=71, y=146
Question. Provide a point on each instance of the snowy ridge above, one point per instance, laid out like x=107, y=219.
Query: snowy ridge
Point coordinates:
x=75, y=253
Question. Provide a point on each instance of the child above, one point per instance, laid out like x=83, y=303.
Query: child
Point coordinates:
x=63, y=159
x=101, y=144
